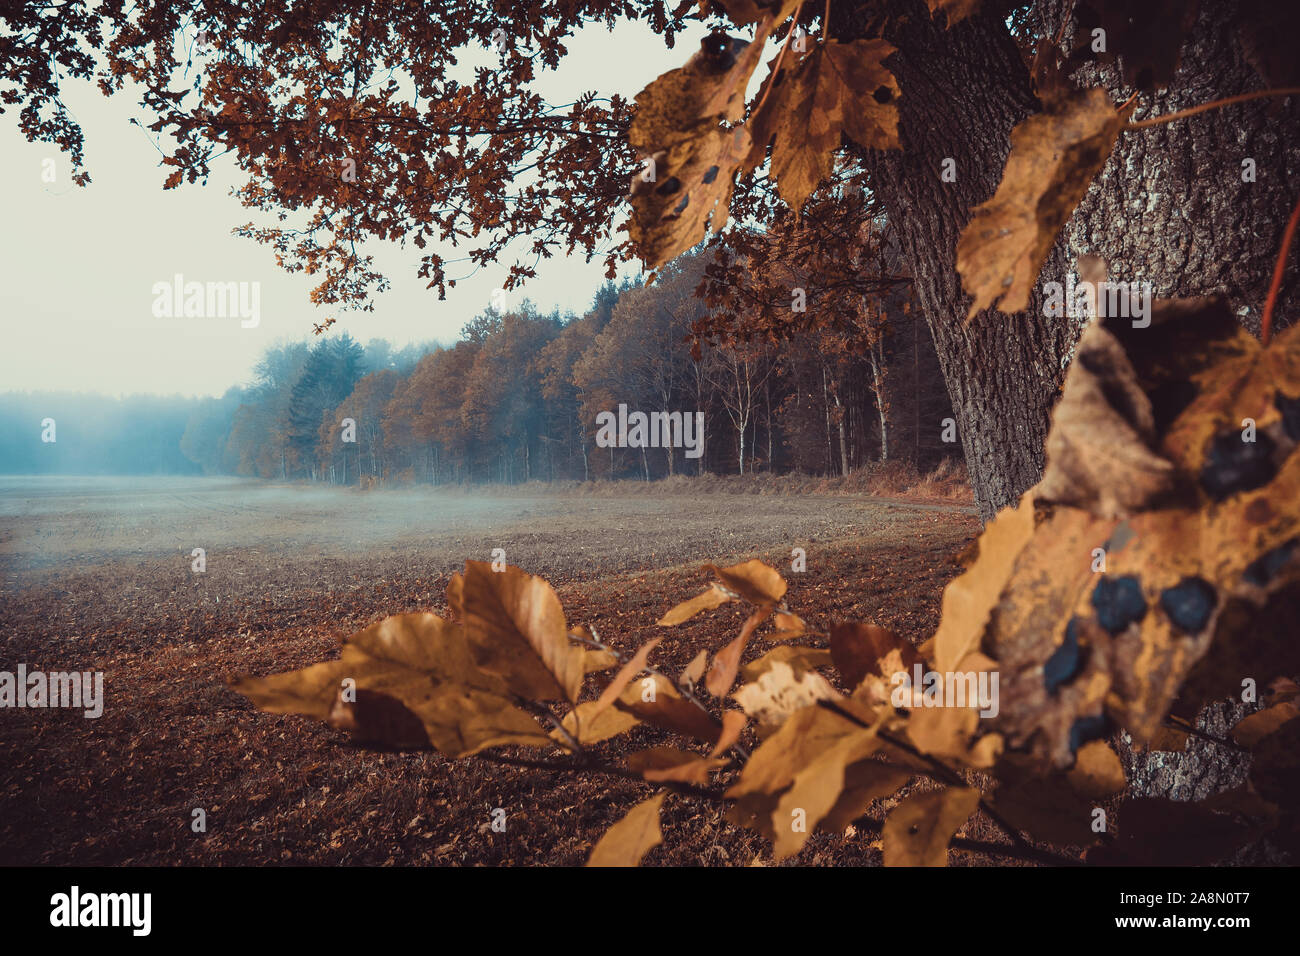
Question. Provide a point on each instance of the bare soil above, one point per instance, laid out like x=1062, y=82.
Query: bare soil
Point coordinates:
x=97, y=576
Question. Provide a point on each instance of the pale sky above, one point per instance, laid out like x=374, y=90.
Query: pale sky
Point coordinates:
x=79, y=265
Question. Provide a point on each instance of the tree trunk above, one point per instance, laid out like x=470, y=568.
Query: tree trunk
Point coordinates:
x=1169, y=208
x=963, y=90
x=826, y=406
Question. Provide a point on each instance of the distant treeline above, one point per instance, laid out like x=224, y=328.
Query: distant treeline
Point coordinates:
x=521, y=397
x=81, y=434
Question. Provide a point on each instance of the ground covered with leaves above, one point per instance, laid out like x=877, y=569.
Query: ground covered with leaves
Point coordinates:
x=121, y=789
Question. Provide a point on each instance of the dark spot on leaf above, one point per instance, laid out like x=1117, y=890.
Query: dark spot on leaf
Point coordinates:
x=681, y=206
x=883, y=94
x=1265, y=568
x=720, y=50
x=710, y=175
x=1290, y=409
x=1119, y=602
x=1085, y=729
x=1233, y=465
x=1189, y=603
x=669, y=186
x=1259, y=511
x=1065, y=660
x=1168, y=401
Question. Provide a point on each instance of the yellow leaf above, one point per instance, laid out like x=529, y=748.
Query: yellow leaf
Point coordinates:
x=626, y=842
x=1054, y=157
x=918, y=830
x=516, y=627
x=726, y=663
x=778, y=691
x=705, y=601
x=756, y=582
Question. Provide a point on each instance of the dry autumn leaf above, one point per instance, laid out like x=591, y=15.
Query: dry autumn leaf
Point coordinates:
x=1097, y=621
x=858, y=649
x=667, y=709
x=705, y=601
x=800, y=659
x=681, y=125
x=626, y=842
x=838, y=89
x=1101, y=453
x=634, y=666
x=1251, y=730
x=1054, y=157
x=771, y=770
x=726, y=663
x=956, y=10
x=816, y=789
x=691, y=675
x=756, y=582
x=779, y=690
x=515, y=625
x=918, y=830
x=415, y=684
x=672, y=764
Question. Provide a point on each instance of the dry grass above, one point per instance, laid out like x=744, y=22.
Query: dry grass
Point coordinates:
x=893, y=479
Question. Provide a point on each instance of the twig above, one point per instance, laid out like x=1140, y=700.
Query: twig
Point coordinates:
x=1183, y=726
x=1028, y=853
x=1266, y=325
x=946, y=775
x=650, y=668
x=780, y=57
x=1204, y=107
x=608, y=770
x=539, y=711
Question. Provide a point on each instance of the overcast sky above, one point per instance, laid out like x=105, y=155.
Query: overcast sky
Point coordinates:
x=79, y=265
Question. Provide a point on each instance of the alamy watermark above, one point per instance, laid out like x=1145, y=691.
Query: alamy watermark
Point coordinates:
x=924, y=688
x=75, y=909
x=653, y=430
x=208, y=300
x=1101, y=299
x=56, y=689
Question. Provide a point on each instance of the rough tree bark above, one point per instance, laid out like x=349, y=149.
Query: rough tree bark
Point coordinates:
x=1170, y=208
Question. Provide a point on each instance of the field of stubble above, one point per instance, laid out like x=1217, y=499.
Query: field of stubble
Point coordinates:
x=96, y=575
